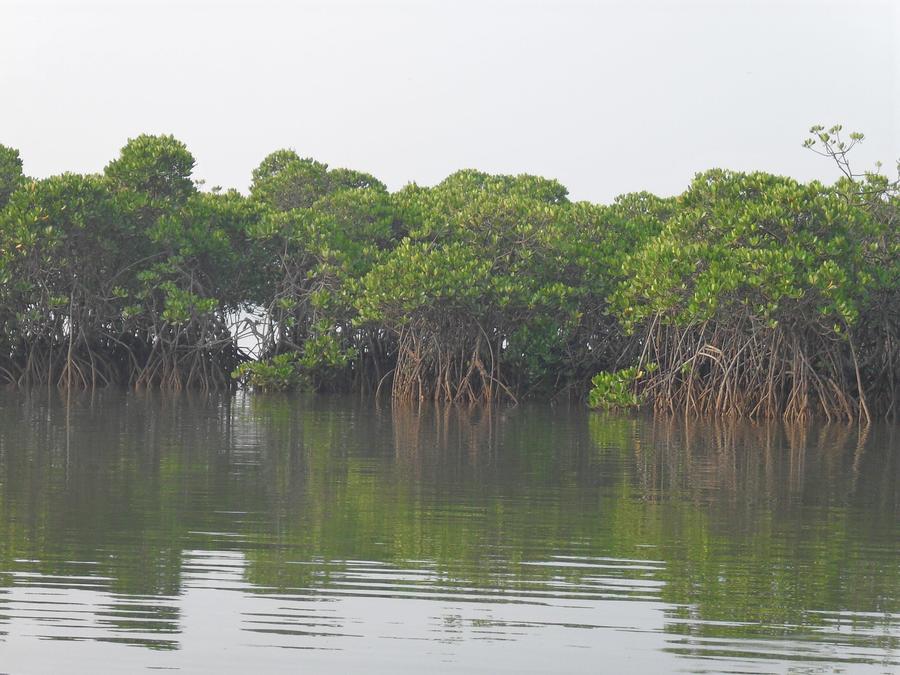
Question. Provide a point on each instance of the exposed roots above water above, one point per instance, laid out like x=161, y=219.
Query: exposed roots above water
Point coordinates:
x=753, y=370
x=459, y=366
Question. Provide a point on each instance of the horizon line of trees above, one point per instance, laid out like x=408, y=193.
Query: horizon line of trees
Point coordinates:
x=749, y=293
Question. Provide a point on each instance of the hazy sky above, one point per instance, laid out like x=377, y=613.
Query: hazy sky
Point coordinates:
x=608, y=97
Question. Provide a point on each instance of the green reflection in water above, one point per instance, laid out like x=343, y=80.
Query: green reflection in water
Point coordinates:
x=744, y=533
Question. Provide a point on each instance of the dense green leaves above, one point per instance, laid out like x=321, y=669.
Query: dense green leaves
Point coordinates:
x=748, y=293
x=157, y=167
x=10, y=173
x=286, y=181
x=491, y=287
x=756, y=241
x=64, y=246
x=753, y=294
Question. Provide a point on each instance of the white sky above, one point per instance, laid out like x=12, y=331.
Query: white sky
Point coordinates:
x=608, y=97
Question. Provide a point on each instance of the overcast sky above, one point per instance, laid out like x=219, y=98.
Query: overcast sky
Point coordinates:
x=608, y=97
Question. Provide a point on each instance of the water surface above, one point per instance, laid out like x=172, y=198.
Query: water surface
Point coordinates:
x=279, y=534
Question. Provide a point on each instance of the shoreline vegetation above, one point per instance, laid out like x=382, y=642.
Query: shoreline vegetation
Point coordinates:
x=749, y=294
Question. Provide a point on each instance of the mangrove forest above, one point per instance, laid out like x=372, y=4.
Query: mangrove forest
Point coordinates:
x=748, y=294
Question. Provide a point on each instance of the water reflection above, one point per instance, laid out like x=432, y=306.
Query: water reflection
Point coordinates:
x=207, y=533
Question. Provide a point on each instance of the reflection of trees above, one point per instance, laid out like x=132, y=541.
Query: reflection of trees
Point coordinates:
x=771, y=524
x=751, y=523
x=428, y=484
x=780, y=465
x=108, y=495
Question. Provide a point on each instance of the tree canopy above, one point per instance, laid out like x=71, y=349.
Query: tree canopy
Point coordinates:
x=749, y=293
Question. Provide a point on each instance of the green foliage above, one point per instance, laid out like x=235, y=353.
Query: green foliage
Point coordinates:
x=285, y=181
x=500, y=274
x=753, y=293
x=158, y=167
x=208, y=247
x=614, y=390
x=754, y=241
x=10, y=173
x=58, y=237
x=323, y=230
x=280, y=373
x=757, y=283
x=127, y=277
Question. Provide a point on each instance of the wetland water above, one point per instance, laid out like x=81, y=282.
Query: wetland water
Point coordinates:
x=278, y=534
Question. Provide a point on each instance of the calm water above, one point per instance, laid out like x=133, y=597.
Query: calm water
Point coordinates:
x=273, y=534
